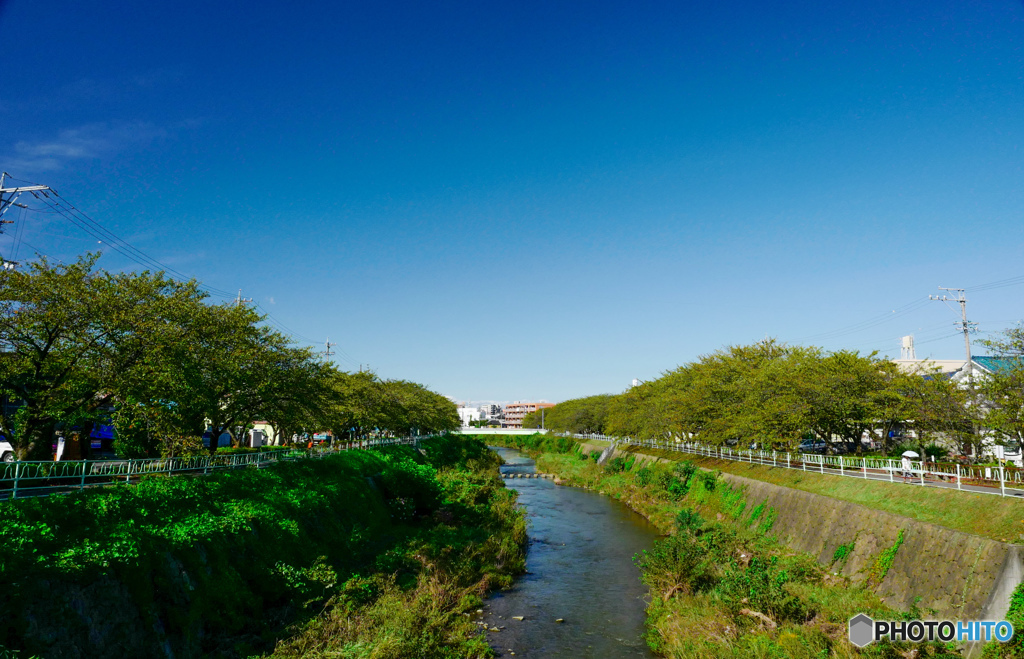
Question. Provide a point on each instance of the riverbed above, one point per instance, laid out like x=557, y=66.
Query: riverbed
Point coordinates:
x=579, y=569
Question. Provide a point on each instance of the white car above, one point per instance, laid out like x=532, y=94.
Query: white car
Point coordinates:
x=6, y=451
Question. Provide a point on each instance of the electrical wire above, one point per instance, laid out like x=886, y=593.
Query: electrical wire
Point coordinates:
x=869, y=323
x=19, y=234
x=58, y=205
x=118, y=244
x=1002, y=283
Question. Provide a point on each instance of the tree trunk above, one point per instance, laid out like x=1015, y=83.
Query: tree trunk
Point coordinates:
x=38, y=440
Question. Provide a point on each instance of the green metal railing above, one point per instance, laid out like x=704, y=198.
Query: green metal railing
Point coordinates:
x=25, y=478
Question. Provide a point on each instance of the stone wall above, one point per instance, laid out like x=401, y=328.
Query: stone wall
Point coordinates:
x=958, y=575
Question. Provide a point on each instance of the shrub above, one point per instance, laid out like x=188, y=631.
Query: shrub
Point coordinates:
x=407, y=484
x=761, y=586
x=615, y=466
x=709, y=479
x=678, y=484
x=682, y=563
x=687, y=520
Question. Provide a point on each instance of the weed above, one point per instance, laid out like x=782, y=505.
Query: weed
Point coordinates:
x=881, y=566
x=842, y=552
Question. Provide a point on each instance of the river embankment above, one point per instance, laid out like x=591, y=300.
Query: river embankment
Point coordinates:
x=723, y=584
x=972, y=572
x=581, y=595
x=385, y=549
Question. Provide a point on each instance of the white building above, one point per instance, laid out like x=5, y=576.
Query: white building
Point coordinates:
x=467, y=414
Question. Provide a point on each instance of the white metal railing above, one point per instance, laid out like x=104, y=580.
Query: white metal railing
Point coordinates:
x=1004, y=481
x=25, y=478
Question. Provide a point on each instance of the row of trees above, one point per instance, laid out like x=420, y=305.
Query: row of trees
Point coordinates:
x=81, y=346
x=778, y=395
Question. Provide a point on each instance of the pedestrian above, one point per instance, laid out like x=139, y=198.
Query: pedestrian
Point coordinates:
x=907, y=468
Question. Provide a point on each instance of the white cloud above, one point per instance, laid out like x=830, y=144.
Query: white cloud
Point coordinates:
x=82, y=143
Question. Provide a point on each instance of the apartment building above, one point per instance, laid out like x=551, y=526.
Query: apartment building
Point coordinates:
x=514, y=413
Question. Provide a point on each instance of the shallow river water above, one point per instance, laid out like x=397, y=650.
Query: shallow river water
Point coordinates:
x=579, y=568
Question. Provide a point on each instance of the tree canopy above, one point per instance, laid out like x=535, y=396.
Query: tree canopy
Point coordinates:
x=778, y=395
x=153, y=356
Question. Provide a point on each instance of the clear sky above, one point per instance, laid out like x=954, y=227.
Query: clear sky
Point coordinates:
x=537, y=199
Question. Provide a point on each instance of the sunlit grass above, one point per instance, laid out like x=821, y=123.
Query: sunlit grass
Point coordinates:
x=998, y=518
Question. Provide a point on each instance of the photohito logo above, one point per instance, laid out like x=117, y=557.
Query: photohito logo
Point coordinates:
x=864, y=630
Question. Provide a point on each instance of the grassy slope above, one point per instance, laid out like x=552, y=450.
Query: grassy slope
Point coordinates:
x=981, y=514
x=220, y=565
x=698, y=598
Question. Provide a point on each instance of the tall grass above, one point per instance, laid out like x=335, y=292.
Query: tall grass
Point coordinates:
x=986, y=515
x=229, y=564
x=720, y=584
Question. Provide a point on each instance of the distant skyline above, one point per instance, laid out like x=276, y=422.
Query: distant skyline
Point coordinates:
x=524, y=201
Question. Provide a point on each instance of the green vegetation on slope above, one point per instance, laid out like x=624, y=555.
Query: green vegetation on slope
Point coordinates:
x=228, y=564
x=721, y=586
x=989, y=516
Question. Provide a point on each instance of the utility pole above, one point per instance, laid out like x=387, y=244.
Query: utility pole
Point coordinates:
x=327, y=348
x=8, y=198
x=239, y=300
x=12, y=194
x=966, y=326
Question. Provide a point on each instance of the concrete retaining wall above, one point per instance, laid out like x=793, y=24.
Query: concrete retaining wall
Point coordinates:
x=960, y=576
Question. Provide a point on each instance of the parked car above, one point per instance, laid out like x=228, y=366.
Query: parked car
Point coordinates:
x=6, y=451
x=812, y=446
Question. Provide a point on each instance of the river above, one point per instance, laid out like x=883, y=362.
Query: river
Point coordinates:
x=579, y=569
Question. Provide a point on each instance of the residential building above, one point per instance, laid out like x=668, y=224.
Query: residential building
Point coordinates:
x=514, y=413
x=467, y=414
x=491, y=411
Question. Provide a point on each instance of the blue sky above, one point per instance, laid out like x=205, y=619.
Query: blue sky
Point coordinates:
x=539, y=200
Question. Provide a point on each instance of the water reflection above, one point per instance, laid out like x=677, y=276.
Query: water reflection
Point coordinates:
x=580, y=570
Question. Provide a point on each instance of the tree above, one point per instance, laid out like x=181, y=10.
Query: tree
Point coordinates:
x=229, y=371
x=578, y=416
x=1003, y=388
x=73, y=337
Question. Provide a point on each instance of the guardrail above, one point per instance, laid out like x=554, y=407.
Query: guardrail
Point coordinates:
x=1002, y=481
x=25, y=478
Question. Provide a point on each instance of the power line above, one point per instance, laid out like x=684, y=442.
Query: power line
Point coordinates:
x=115, y=242
x=869, y=323
x=58, y=205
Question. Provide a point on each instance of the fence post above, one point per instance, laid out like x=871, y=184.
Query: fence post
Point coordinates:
x=775, y=461
x=787, y=460
x=890, y=472
x=922, y=473
x=822, y=463
x=128, y=476
x=17, y=474
x=803, y=461
x=841, y=472
x=1002, y=482
x=85, y=463
x=864, y=466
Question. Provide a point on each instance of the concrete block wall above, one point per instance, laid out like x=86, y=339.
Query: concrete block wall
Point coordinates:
x=956, y=574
